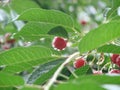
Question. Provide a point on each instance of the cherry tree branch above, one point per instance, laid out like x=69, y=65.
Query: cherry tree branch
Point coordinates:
x=56, y=74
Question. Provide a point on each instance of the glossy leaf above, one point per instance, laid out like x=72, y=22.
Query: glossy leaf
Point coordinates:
x=88, y=81
x=47, y=16
x=7, y=80
x=6, y=88
x=81, y=71
x=35, y=30
x=99, y=36
x=30, y=88
x=102, y=79
x=22, y=58
x=79, y=85
x=109, y=49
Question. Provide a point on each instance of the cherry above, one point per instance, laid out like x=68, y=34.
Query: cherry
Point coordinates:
x=114, y=57
x=59, y=43
x=83, y=22
x=79, y=63
x=118, y=61
x=114, y=71
x=10, y=41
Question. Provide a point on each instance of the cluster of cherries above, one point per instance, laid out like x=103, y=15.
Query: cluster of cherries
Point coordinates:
x=115, y=59
x=60, y=43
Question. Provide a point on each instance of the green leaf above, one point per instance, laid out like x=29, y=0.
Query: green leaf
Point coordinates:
x=81, y=71
x=47, y=16
x=43, y=72
x=89, y=81
x=7, y=80
x=30, y=88
x=100, y=36
x=58, y=31
x=6, y=88
x=109, y=49
x=19, y=6
x=23, y=58
x=35, y=30
x=79, y=85
x=102, y=79
x=112, y=14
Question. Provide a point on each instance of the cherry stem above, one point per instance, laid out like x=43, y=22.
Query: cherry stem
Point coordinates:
x=105, y=65
x=72, y=72
x=56, y=74
x=64, y=76
x=92, y=61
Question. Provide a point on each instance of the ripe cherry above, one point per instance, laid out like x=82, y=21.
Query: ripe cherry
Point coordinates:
x=114, y=71
x=79, y=63
x=11, y=41
x=114, y=58
x=118, y=61
x=83, y=22
x=59, y=43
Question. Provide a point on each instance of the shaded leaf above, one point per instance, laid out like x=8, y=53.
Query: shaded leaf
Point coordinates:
x=43, y=72
x=19, y=6
x=58, y=31
x=112, y=14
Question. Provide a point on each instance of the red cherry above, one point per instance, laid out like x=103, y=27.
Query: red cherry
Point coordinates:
x=11, y=41
x=59, y=43
x=79, y=63
x=83, y=22
x=114, y=57
x=114, y=71
x=118, y=61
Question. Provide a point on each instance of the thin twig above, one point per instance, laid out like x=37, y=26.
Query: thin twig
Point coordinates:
x=56, y=74
x=64, y=76
x=72, y=72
